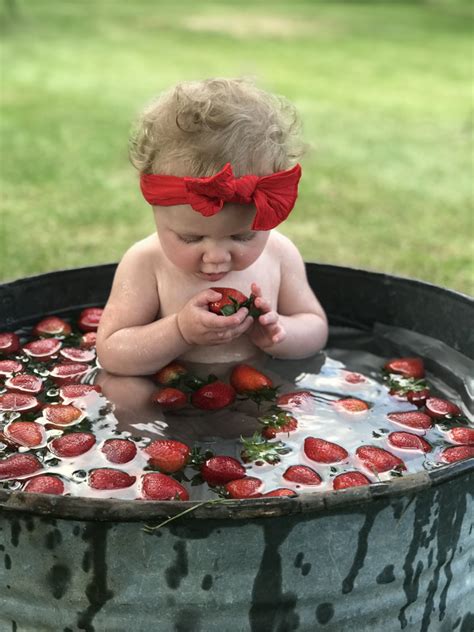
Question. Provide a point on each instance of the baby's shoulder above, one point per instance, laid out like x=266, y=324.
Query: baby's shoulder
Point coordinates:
x=142, y=254
x=280, y=246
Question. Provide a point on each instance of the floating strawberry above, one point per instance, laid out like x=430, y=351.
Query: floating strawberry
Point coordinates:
x=457, y=453
x=354, y=378
x=213, y=396
x=349, y=479
x=74, y=354
x=408, y=367
x=157, y=486
x=245, y=379
x=170, y=374
x=276, y=423
x=42, y=349
x=462, y=435
x=414, y=419
x=323, y=451
x=220, y=470
x=8, y=367
x=107, y=478
x=302, y=474
x=408, y=441
x=88, y=340
x=75, y=391
x=52, y=326
x=257, y=448
x=168, y=455
x=119, y=450
x=439, y=408
x=9, y=342
x=18, y=465
x=281, y=491
x=44, y=484
x=418, y=398
x=18, y=402
x=351, y=405
x=231, y=301
x=72, y=444
x=68, y=372
x=301, y=400
x=89, y=319
x=25, y=433
x=62, y=414
x=24, y=383
x=170, y=398
x=379, y=460
x=247, y=487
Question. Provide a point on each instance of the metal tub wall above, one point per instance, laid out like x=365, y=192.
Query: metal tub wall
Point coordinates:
x=387, y=557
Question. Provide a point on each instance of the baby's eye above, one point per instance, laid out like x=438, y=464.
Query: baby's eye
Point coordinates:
x=243, y=237
x=188, y=239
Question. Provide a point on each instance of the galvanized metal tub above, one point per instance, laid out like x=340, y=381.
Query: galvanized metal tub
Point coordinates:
x=387, y=557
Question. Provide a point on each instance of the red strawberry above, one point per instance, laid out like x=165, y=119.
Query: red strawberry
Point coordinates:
x=438, y=408
x=213, y=396
x=170, y=398
x=349, y=479
x=281, y=491
x=413, y=419
x=244, y=378
x=230, y=301
x=45, y=484
x=18, y=465
x=9, y=343
x=157, y=486
x=295, y=400
x=170, y=373
x=119, y=450
x=379, y=460
x=220, y=470
x=462, y=435
x=26, y=433
x=246, y=487
x=408, y=441
x=418, y=398
x=62, y=414
x=107, y=478
x=270, y=431
x=168, y=455
x=351, y=405
x=89, y=319
x=52, y=326
x=18, y=402
x=7, y=367
x=42, y=349
x=68, y=372
x=74, y=354
x=73, y=444
x=88, y=340
x=457, y=453
x=75, y=391
x=302, y=474
x=408, y=367
x=353, y=378
x=323, y=451
x=25, y=383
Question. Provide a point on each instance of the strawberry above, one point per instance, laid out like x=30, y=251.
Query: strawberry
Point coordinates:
x=353, y=378
x=457, y=453
x=88, y=340
x=119, y=450
x=24, y=383
x=246, y=487
x=170, y=398
x=45, y=484
x=75, y=391
x=379, y=460
x=72, y=444
x=18, y=465
x=244, y=378
x=62, y=414
x=9, y=342
x=349, y=479
x=256, y=448
x=42, y=349
x=418, y=398
x=25, y=433
x=408, y=441
x=68, y=372
x=170, y=374
x=438, y=408
x=213, y=396
x=302, y=474
x=89, y=319
x=157, y=486
x=52, y=326
x=281, y=491
x=414, y=419
x=219, y=470
x=168, y=455
x=278, y=422
x=462, y=435
x=231, y=301
x=107, y=478
x=74, y=354
x=323, y=451
x=18, y=402
x=296, y=400
x=351, y=405
x=7, y=367
x=408, y=367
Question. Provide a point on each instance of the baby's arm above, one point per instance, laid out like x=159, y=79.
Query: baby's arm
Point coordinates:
x=299, y=326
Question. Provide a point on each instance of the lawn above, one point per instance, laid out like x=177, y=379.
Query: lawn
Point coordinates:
x=384, y=91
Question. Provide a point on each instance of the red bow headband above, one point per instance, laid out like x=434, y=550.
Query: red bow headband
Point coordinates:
x=274, y=196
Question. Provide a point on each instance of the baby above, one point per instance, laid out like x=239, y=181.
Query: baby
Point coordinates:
x=215, y=161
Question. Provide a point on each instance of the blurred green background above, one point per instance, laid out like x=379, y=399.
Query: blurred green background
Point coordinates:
x=384, y=90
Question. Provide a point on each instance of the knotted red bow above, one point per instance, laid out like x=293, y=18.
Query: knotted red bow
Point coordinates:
x=274, y=196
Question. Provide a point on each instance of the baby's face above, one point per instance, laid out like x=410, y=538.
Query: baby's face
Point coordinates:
x=209, y=247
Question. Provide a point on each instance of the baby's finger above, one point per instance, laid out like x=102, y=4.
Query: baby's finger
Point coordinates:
x=207, y=296
x=256, y=291
x=268, y=319
x=214, y=321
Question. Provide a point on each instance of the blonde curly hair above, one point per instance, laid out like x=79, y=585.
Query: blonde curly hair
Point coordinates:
x=196, y=127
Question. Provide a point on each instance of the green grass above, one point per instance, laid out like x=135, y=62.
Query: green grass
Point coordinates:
x=384, y=91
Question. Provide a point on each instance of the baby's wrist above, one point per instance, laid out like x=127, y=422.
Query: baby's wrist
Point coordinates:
x=180, y=331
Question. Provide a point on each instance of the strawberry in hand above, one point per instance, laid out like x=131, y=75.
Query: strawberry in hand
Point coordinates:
x=231, y=301
x=267, y=329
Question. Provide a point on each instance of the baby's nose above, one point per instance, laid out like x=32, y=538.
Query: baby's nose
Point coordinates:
x=216, y=254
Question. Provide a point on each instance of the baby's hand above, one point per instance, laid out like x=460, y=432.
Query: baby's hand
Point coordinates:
x=268, y=329
x=199, y=326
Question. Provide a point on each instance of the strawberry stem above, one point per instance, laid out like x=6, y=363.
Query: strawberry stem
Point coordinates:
x=150, y=528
